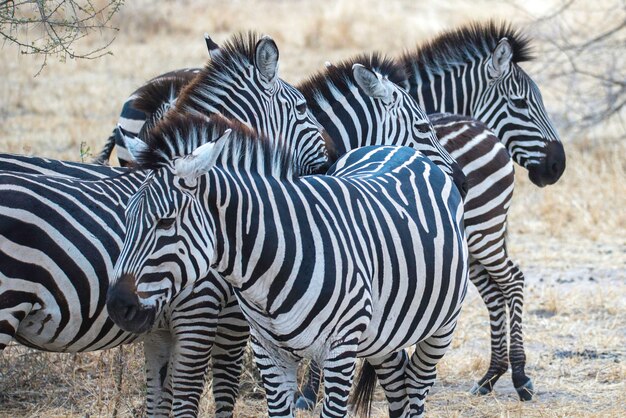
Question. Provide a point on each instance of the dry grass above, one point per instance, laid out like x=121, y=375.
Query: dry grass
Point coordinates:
x=569, y=238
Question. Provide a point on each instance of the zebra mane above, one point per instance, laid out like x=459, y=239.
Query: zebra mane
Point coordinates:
x=475, y=40
x=159, y=95
x=180, y=134
x=235, y=54
x=340, y=76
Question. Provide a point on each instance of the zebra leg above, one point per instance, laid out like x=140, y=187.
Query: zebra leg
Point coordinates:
x=189, y=362
x=513, y=289
x=227, y=357
x=308, y=398
x=496, y=305
x=338, y=373
x=157, y=347
x=422, y=368
x=391, y=372
x=279, y=380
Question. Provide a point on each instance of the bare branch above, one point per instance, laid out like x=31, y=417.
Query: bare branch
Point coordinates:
x=58, y=26
x=582, y=59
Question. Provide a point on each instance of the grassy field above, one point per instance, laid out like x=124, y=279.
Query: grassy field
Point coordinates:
x=570, y=238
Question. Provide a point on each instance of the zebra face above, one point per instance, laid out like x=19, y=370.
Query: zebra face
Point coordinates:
x=242, y=82
x=157, y=258
x=513, y=108
x=292, y=123
x=403, y=120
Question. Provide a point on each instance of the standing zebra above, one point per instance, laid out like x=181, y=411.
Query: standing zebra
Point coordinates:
x=139, y=112
x=393, y=117
x=353, y=115
x=363, y=262
x=475, y=71
x=91, y=213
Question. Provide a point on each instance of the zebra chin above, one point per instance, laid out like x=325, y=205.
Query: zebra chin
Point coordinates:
x=550, y=168
x=126, y=310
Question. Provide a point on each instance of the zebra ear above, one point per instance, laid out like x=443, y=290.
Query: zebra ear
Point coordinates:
x=501, y=58
x=266, y=59
x=202, y=159
x=133, y=144
x=211, y=46
x=370, y=82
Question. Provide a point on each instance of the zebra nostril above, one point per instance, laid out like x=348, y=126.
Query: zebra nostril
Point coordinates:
x=130, y=312
x=554, y=168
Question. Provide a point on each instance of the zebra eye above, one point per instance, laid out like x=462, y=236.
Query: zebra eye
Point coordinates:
x=520, y=103
x=165, y=223
x=301, y=108
x=422, y=127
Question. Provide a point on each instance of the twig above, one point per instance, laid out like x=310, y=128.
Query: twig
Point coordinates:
x=118, y=380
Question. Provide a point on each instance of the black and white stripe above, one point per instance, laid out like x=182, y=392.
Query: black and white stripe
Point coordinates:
x=359, y=102
x=363, y=262
x=475, y=71
x=142, y=109
x=241, y=82
x=185, y=373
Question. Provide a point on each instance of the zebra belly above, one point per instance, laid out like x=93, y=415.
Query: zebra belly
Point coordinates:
x=409, y=307
x=290, y=339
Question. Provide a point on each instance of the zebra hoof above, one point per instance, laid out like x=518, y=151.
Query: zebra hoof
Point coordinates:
x=304, y=404
x=526, y=391
x=480, y=389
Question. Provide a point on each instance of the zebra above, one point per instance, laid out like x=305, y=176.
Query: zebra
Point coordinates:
x=113, y=189
x=365, y=261
x=474, y=71
x=340, y=102
x=59, y=239
x=139, y=114
x=360, y=102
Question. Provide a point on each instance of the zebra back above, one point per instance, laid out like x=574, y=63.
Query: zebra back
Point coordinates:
x=142, y=109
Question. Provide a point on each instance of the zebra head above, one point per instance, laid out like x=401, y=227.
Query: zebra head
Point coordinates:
x=241, y=82
x=365, y=101
x=475, y=71
x=512, y=106
x=169, y=241
x=404, y=121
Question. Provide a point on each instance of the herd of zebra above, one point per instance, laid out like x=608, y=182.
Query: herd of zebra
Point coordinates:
x=335, y=220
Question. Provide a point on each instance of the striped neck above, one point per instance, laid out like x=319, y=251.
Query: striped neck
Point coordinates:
x=456, y=89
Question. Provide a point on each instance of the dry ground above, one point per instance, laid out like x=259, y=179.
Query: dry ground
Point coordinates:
x=569, y=238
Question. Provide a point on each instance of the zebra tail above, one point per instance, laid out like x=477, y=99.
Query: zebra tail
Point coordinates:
x=105, y=154
x=364, y=391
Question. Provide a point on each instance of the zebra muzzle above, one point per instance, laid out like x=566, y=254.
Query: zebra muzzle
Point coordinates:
x=125, y=308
